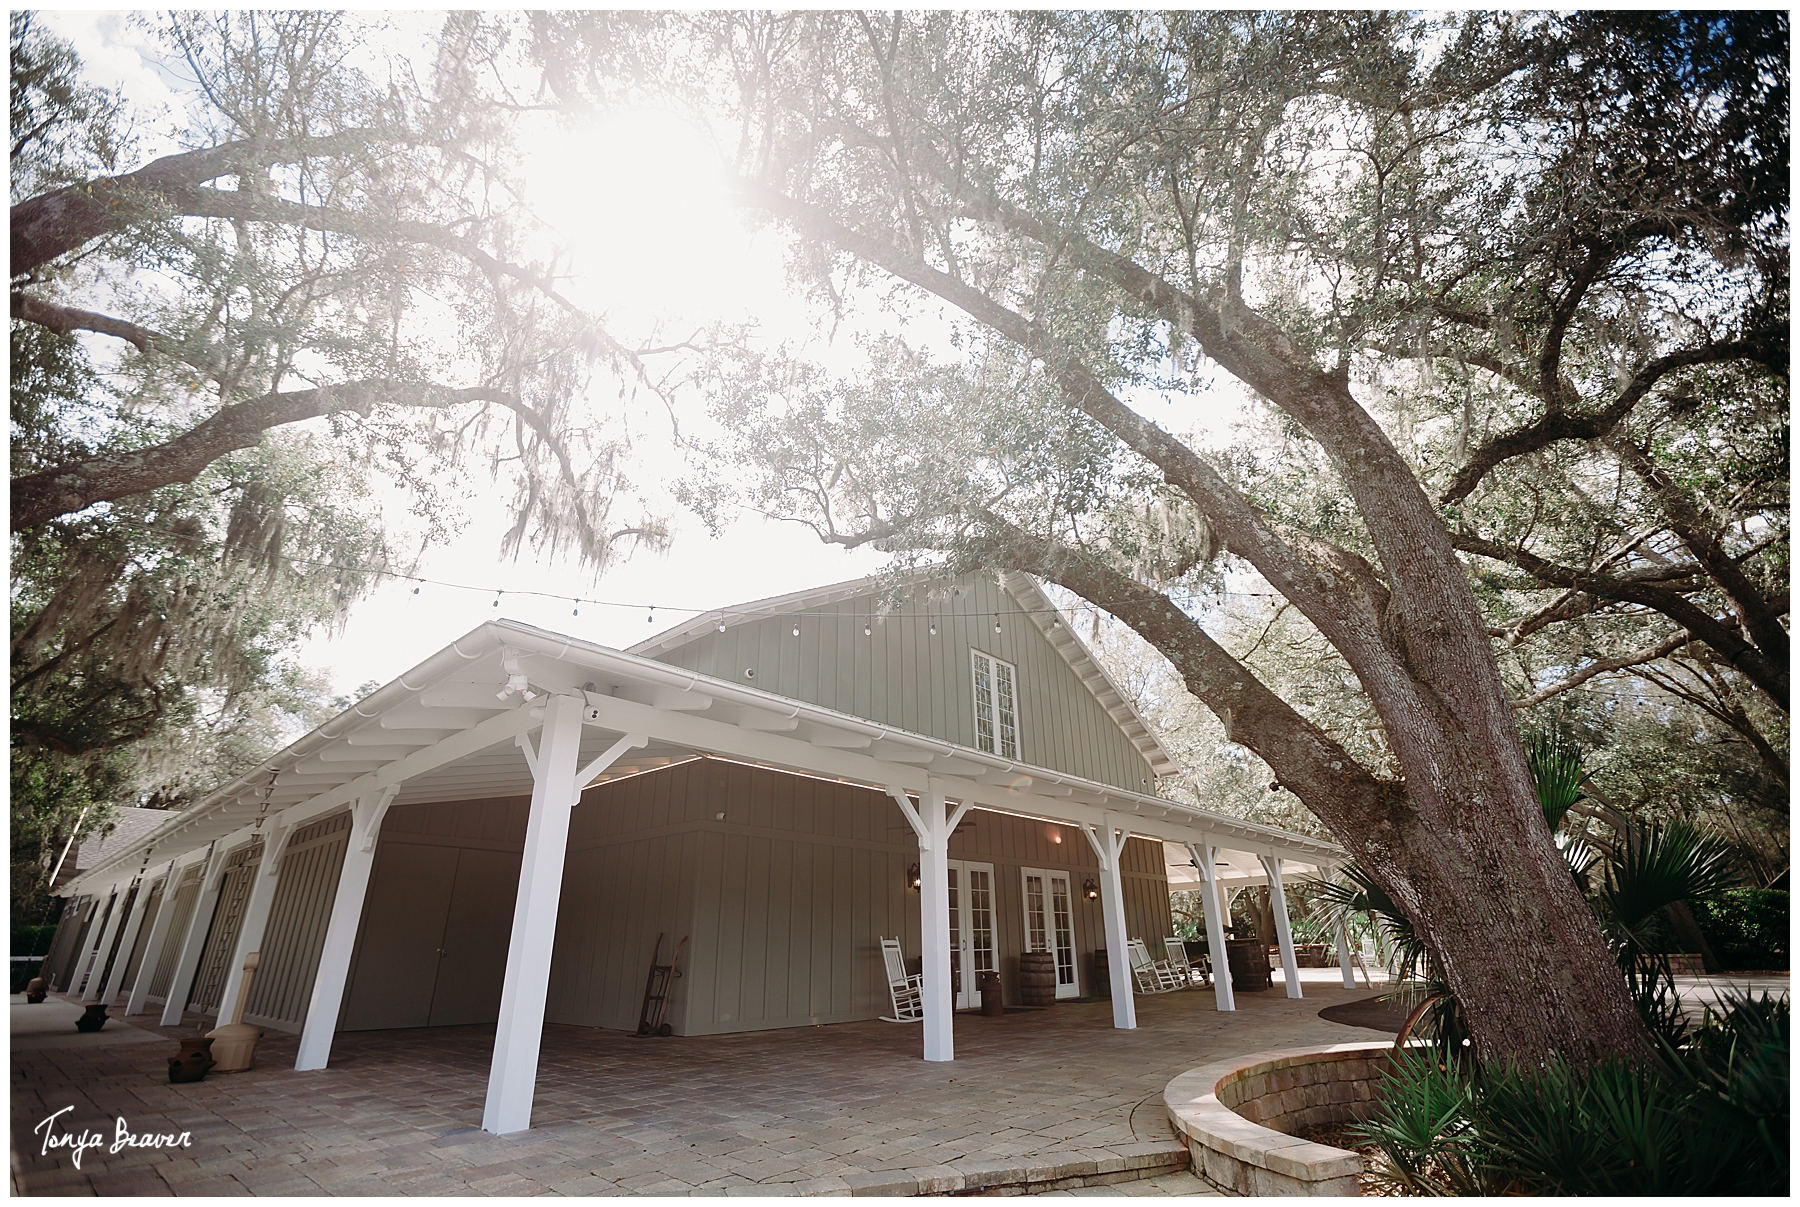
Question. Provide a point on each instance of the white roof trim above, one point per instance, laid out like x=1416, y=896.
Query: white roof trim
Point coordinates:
x=368, y=746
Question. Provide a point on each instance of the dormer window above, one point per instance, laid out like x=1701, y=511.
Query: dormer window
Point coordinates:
x=996, y=706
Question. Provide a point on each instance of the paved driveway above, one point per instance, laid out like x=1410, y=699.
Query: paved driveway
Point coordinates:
x=823, y=1109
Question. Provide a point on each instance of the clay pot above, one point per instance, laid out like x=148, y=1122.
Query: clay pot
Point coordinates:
x=36, y=990
x=192, y=1062
x=94, y=1019
x=1037, y=978
x=235, y=1048
x=992, y=1002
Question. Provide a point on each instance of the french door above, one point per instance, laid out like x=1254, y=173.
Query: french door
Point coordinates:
x=971, y=927
x=1050, y=924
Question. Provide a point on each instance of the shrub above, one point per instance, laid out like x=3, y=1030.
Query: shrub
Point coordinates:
x=1710, y=1119
x=1747, y=927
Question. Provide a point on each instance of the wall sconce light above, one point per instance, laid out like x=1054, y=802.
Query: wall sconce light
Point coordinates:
x=913, y=879
x=1090, y=890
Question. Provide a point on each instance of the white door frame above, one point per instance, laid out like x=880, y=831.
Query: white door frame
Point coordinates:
x=962, y=935
x=1051, y=877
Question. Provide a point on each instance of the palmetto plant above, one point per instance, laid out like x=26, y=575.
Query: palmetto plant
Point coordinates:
x=1710, y=1118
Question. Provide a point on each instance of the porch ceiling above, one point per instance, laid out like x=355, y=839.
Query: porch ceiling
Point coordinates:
x=442, y=732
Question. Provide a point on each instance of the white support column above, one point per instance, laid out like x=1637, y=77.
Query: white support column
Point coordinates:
x=934, y=926
x=256, y=920
x=327, y=1000
x=512, y=1079
x=90, y=991
x=1290, y=967
x=933, y=824
x=194, y=943
x=1343, y=940
x=127, y=938
x=1206, y=860
x=159, y=936
x=1343, y=954
x=1109, y=844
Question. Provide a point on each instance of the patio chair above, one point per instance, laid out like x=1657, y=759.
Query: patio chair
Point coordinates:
x=1153, y=976
x=1189, y=972
x=906, y=991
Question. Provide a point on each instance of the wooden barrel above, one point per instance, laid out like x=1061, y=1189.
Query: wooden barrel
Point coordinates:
x=1249, y=962
x=1037, y=978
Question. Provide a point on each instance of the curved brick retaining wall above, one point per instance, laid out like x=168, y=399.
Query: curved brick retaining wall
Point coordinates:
x=1236, y=1116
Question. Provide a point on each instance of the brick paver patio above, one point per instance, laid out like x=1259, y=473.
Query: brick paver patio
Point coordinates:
x=848, y=1108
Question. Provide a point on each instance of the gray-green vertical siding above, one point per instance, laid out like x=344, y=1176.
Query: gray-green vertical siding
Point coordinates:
x=305, y=887
x=175, y=934
x=901, y=675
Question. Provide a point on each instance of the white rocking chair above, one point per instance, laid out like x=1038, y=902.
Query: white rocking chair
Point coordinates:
x=907, y=992
x=1153, y=976
x=1189, y=972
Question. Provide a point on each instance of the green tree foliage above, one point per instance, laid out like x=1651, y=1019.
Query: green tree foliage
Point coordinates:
x=1445, y=252
x=334, y=245
x=1748, y=927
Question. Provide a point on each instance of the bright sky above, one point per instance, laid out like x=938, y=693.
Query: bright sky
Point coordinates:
x=652, y=239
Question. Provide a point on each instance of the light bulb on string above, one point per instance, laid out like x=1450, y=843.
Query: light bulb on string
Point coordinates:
x=721, y=622
x=497, y=596
x=868, y=629
x=651, y=619
x=796, y=628
x=932, y=628
x=996, y=622
x=415, y=590
x=576, y=610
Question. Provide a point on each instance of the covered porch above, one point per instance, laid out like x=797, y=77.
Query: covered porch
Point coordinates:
x=511, y=712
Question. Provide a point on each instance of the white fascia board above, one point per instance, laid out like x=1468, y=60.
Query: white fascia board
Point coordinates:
x=1087, y=668
x=194, y=827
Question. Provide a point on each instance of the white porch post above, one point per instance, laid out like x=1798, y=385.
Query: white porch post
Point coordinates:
x=933, y=827
x=340, y=932
x=256, y=920
x=512, y=1079
x=934, y=926
x=1343, y=954
x=1290, y=966
x=90, y=990
x=195, y=941
x=1205, y=859
x=1343, y=943
x=159, y=935
x=1109, y=844
x=127, y=937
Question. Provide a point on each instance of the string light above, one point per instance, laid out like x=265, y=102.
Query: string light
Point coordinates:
x=932, y=628
x=996, y=622
x=576, y=610
x=341, y=575
x=796, y=628
x=868, y=630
